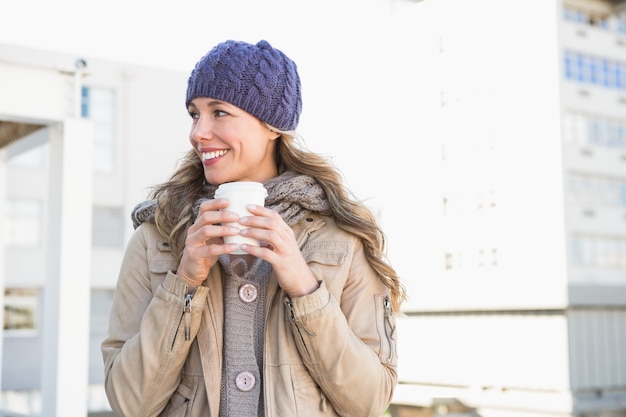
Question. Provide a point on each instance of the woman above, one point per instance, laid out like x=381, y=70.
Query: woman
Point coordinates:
x=302, y=325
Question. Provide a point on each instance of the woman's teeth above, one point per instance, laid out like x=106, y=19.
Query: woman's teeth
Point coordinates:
x=210, y=155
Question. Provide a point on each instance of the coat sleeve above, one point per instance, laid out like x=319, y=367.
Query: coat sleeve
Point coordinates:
x=345, y=333
x=145, y=347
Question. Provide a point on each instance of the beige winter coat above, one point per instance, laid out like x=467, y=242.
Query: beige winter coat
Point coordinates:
x=331, y=353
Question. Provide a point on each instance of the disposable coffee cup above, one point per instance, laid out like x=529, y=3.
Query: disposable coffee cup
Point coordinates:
x=241, y=194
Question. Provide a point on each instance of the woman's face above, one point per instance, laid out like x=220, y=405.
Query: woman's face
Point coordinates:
x=232, y=144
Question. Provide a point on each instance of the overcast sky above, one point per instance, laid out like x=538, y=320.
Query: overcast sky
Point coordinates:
x=175, y=34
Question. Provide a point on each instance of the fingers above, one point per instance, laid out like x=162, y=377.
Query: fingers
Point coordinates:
x=276, y=237
x=211, y=212
x=204, y=242
x=280, y=248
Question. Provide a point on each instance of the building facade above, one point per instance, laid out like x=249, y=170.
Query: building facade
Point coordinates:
x=527, y=316
x=82, y=141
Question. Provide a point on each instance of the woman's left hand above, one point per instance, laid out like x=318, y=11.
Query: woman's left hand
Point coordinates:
x=280, y=249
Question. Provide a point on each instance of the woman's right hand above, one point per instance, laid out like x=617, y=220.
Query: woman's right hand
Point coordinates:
x=204, y=242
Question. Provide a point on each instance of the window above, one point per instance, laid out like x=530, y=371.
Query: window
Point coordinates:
x=487, y=257
x=99, y=105
x=590, y=69
x=20, y=309
x=22, y=222
x=586, y=17
x=589, y=129
x=621, y=22
x=589, y=190
x=101, y=301
x=608, y=73
x=588, y=250
x=620, y=76
x=107, y=227
x=595, y=76
x=453, y=260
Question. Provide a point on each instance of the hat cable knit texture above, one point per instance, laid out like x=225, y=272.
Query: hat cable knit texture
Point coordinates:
x=259, y=79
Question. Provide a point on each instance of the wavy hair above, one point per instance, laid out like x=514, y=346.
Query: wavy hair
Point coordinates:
x=175, y=197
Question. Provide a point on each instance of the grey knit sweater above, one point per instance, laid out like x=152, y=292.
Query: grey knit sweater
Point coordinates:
x=244, y=329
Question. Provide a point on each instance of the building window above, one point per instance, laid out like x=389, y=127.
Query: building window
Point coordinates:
x=22, y=223
x=593, y=251
x=586, y=129
x=107, y=227
x=99, y=105
x=589, y=190
x=587, y=17
x=588, y=69
x=487, y=257
x=621, y=22
x=20, y=309
x=453, y=259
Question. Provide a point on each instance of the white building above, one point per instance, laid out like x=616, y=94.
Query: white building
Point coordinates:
x=525, y=313
x=78, y=139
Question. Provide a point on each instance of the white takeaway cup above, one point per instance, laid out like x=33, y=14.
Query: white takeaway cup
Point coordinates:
x=241, y=194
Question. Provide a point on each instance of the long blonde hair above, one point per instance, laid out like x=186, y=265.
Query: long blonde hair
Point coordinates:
x=176, y=197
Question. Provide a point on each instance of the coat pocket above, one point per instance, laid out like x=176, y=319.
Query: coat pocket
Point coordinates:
x=327, y=259
x=182, y=401
x=309, y=398
x=162, y=261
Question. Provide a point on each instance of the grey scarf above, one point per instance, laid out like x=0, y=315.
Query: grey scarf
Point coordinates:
x=291, y=194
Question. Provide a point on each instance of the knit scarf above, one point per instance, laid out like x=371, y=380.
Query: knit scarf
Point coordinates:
x=290, y=194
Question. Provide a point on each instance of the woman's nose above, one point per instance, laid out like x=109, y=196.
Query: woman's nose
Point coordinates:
x=202, y=130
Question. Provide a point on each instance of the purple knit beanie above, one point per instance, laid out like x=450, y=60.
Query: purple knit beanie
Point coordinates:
x=259, y=79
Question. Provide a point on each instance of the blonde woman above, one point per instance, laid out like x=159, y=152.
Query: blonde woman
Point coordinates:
x=302, y=325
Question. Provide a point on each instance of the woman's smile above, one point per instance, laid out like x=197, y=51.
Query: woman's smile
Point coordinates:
x=213, y=156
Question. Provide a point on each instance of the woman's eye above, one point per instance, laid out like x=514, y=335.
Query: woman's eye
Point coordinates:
x=220, y=113
x=194, y=115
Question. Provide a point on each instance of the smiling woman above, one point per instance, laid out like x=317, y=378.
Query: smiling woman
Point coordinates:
x=203, y=325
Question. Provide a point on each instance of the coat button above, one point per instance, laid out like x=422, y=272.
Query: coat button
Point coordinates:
x=245, y=381
x=248, y=293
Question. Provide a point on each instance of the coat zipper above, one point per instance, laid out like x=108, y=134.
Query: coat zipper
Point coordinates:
x=388, y=327
x=294, y=319
x=187, y=314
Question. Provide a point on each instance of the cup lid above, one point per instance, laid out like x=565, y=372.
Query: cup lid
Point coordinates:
x=241, y=185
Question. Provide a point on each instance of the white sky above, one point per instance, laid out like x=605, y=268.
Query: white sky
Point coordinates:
x=175, y=34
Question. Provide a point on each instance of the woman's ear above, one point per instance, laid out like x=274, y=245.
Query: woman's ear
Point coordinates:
x=274, y=134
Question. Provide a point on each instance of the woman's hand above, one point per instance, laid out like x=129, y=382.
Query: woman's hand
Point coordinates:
x=279, y=248
x=205, y=243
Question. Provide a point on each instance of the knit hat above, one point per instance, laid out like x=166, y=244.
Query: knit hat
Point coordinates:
x=259, y=79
